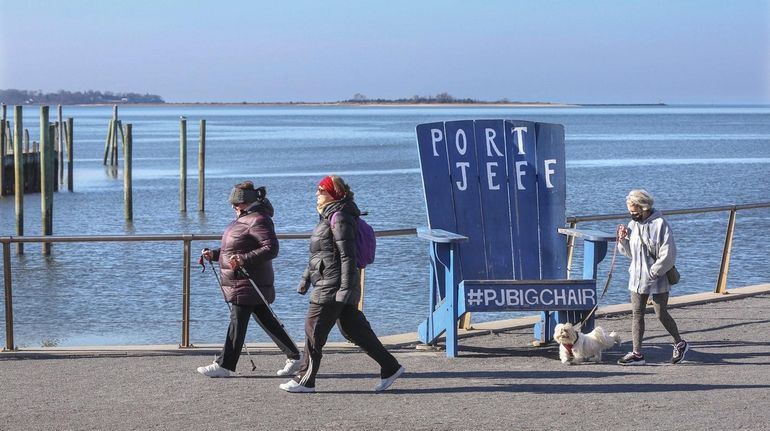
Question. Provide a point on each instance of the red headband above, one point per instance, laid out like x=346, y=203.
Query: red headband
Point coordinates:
x=328, y=185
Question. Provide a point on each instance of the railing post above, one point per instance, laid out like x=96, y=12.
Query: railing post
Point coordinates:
x=8, y=296
x=721, y=286
x=570, y=248
x=186, y=293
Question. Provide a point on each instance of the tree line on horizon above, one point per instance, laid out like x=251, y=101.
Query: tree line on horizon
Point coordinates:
x=417, y=99
x=64, y=97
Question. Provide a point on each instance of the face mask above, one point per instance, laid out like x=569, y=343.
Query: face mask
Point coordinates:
x=636, y=217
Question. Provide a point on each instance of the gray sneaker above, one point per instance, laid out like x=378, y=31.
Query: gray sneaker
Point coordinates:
x=294, y=387
x=680, y=349
x=291, y=367
x=214, y=370
x=385, y=383
x=632, y=358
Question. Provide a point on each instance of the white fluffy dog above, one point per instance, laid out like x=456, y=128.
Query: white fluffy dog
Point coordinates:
x=575, y=346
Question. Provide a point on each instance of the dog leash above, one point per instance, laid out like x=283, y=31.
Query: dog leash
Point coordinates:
x=606, y=286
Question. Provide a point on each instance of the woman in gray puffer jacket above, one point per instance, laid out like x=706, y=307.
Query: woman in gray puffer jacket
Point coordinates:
x=249, y=243
x=333, y=272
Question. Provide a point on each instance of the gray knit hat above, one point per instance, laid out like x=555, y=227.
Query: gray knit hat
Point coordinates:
x=245, y=193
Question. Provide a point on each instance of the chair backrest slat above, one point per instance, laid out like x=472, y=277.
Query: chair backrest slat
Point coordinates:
x=495, y=204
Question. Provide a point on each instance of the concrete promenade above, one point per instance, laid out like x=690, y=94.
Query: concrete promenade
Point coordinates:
x=499, y=382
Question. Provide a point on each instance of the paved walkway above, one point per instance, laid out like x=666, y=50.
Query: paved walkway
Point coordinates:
x=498, y=382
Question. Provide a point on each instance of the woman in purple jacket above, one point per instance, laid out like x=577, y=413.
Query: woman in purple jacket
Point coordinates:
x=249, y=242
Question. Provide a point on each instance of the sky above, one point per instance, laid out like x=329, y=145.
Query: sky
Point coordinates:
x=613, y=51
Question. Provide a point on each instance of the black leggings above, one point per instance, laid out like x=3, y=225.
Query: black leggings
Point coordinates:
x=639, y=305
x=236, y=333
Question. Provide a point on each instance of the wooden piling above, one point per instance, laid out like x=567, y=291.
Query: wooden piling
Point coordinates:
x=2, y=155
x=8, y=135
x=127, y=188
x=60, y=143
x=114, y=143
x=107, y=143
x=183, y=165
x=18, y=174
x=46, y=176
x=117, y=128
x=111, y=143
x=117, y=132
x=7, y=130
x=26, y=141
x=202, y=166
x=69, y=134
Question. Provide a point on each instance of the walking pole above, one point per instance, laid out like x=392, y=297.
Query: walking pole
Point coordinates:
x=254, y=285
x=230, y=307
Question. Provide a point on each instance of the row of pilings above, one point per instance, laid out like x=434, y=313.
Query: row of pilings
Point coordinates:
x=118, y=133
x=24, y=169
x=28, y=170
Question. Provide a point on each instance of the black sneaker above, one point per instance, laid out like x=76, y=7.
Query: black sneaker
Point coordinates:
x=632, y=358
x=680, y=349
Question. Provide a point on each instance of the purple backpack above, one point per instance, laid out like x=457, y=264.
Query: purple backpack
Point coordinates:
x=366, y=242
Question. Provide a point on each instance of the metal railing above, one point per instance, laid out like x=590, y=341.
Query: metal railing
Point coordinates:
x=186, y=259
x=721, y=284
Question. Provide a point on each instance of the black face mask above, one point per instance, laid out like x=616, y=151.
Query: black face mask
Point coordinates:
x=636, y=217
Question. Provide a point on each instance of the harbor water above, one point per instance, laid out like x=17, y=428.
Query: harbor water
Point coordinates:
x=131, y=293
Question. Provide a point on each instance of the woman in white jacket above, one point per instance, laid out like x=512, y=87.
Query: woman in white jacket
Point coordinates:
x=649, y=242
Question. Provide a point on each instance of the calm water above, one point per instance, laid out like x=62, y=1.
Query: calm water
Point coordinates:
x=111, y=293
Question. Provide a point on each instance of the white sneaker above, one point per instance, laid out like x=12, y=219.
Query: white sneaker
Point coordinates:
x=385, y=383
x=291, y=367
x=292, y=386
x=214, y=370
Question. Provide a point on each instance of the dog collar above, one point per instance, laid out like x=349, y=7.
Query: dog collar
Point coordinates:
x=569, y=346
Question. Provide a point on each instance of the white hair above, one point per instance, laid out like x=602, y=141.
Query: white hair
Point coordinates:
x=641, y=198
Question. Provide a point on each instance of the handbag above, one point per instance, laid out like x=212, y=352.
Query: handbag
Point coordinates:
x=672, y=274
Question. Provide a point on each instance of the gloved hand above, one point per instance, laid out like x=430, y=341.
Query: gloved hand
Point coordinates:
x=235, y=262
x=206, y=254
x=304, y=286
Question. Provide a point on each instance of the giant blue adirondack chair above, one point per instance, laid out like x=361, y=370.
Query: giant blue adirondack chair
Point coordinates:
x=495, y=192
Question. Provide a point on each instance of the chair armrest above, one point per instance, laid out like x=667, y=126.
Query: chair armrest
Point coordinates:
x=587, y=234
x=440, y=235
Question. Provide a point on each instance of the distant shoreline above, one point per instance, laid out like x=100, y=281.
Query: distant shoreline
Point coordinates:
x=343, y=104
x=366, y=105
